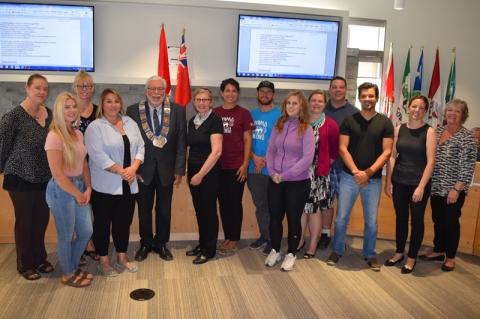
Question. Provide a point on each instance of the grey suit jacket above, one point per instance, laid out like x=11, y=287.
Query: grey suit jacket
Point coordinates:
x=169, y=160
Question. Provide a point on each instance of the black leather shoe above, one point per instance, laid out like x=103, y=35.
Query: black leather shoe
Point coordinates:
x=391, y=262
x=194, y=252
x=164, y=253
x=142, y=253
x=324, y=242
x=200, y=259
x=447, y=268
x=405, y=270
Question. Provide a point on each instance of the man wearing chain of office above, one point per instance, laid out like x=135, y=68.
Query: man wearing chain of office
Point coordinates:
x=163, y=128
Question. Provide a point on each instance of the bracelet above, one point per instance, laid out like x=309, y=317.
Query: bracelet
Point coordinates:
x=457, y=190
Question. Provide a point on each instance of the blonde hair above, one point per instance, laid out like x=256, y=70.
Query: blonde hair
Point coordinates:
x=203, y=90
x=303, y=117
x=81, y=77
x=463, y=108
x=102, y=100
x=59, y=126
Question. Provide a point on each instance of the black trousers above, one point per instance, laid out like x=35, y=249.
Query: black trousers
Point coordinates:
x=404, y=207
x=290, y=198
x=204, y=197
x=163, y=209
x=31, y=221
x=446, y=224
x=230, y=195
x=115, y=211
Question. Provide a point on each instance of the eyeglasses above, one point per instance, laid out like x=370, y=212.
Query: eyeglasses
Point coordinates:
x=153, y=89
x=84, y=86
x=202, y=100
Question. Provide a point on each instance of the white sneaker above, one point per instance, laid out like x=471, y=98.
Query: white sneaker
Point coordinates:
x=288, y=262
x=272, y=258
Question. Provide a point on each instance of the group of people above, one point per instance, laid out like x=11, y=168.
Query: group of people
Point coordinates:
x=79, y=159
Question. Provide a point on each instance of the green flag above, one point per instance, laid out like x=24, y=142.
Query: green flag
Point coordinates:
x=406, y=84
x=450, y=94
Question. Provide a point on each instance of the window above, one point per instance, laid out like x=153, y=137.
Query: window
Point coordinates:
x=367, y=38
x=371, y=38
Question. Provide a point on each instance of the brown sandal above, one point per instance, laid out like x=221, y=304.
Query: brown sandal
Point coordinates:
x=84, y=274
x=45, y=267
x=76, y=281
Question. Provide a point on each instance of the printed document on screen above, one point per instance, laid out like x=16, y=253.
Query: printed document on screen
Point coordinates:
x=287, y=51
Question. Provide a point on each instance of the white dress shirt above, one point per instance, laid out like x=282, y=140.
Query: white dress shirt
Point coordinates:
x=105, y=147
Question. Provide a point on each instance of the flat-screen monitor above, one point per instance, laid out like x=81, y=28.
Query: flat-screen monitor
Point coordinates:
x=47, y=37
x=281, y=47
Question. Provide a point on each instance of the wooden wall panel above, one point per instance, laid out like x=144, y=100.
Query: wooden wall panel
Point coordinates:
x=184, y=224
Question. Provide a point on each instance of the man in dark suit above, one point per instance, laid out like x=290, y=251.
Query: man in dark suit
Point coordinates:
x=163, y=128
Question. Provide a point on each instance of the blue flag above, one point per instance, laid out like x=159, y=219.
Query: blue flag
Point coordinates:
x=417, y=86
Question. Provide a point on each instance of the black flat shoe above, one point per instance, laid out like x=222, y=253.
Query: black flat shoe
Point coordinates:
x=200, y=259
x=447, y=268
x=391, y=262
x=301, y=247
x=194, y=252
x=142, y=253
x=432, y=258
x=31, y=274
x=405, y=270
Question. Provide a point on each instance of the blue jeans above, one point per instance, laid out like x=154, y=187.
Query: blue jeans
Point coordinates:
x=348, y=193
x=69, y=218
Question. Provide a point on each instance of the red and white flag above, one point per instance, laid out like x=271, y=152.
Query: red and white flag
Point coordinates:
x=389, y=91
x=182, y=92
x=435, y=110
x=163, y=62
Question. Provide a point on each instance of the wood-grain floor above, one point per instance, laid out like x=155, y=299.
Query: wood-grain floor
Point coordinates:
x=240, y=286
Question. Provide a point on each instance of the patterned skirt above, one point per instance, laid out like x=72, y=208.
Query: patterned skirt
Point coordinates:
x=320, y=197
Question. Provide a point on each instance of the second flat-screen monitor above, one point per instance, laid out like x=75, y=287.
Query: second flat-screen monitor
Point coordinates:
x=293, y=48
x=46, y=37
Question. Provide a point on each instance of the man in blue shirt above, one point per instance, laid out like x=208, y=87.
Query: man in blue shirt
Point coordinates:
x=264, y=118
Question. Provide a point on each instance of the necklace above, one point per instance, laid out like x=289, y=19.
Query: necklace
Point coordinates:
x=160, y=140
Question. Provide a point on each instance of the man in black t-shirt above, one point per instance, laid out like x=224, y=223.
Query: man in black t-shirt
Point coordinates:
x=365, y=144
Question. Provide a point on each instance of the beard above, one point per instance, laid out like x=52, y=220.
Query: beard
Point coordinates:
x=265, y=103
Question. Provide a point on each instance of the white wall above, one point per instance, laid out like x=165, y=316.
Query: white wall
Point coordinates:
x=127, y=38
x=428, y=23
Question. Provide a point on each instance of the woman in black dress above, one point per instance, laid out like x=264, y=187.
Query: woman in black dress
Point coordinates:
x=408, y=179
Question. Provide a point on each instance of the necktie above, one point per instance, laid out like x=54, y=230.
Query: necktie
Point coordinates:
x=156, y=123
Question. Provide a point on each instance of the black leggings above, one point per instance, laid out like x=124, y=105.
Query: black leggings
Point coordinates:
x=204, y=197
x=404, y=206
x=114, y=210
x=230, y=195
x=446, y=224
x=31, y=221
x=290, y=198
